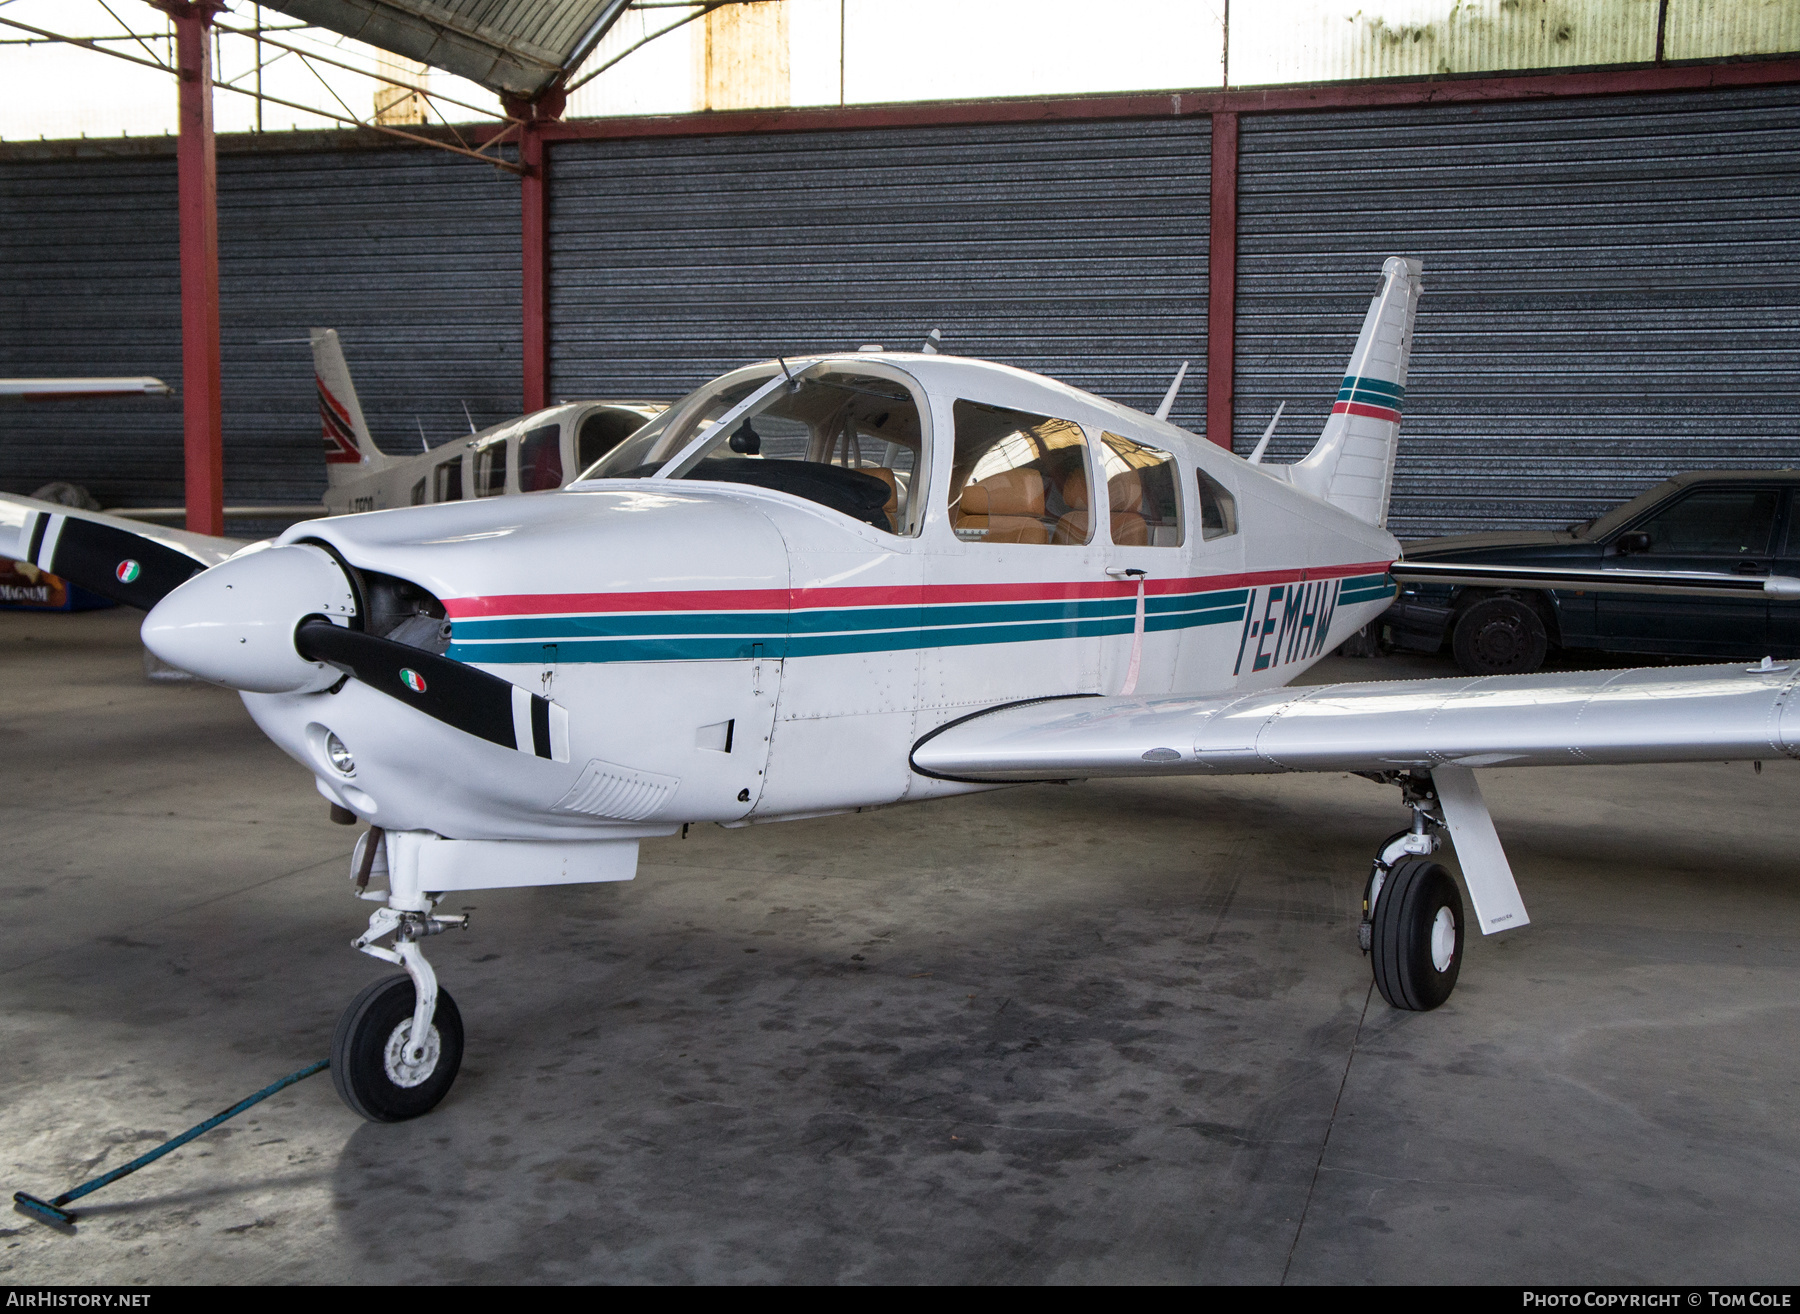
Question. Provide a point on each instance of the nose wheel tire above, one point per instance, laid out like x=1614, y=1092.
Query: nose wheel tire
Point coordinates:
x=1416, y=942
x=378, y=1072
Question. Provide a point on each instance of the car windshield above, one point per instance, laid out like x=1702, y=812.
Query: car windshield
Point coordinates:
x=843, y=438
x=1602, y=525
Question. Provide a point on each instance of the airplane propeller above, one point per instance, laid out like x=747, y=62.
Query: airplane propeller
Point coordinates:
x=121, y=564
x=459, y=695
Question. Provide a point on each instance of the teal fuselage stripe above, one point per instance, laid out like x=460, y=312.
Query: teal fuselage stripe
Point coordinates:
x=821, y=632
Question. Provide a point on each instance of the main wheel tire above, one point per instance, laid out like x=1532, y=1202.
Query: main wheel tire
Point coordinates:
x=1500, y=636
x=1417, y=936
x=369, y=1065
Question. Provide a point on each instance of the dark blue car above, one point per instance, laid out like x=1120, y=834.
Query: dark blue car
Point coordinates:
x=1723, y=522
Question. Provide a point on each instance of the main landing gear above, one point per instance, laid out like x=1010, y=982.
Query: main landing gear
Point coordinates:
x=398, y=1046
x=1412, y=921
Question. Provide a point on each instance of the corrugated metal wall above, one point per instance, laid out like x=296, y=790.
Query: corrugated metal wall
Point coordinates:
x=1612, y=291
x=1077, y=249
x=1613, y=285
x=413, y=255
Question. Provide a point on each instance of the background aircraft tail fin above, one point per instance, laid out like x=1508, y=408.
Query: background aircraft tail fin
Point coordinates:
x=1352, y=464
x=350, y=452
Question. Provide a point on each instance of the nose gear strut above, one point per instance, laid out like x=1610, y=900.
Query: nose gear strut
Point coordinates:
x=398, y=1046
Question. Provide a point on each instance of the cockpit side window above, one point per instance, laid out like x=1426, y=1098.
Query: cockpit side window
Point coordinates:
x=447, y=481
x=540, y=459
x=602, y=431
x=1218, y=508
x=851, y=441
x=490, y=470
x=1017, y=477
x=1143, y=493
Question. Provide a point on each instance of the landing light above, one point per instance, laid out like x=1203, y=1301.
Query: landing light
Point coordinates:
x=339, y=755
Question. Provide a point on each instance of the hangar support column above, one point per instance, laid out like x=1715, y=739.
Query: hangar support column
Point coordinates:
x=534, y=243
x=197, y=202
x=1221, y=279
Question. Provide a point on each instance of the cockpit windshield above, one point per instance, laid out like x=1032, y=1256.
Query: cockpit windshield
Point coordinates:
x=846, y=439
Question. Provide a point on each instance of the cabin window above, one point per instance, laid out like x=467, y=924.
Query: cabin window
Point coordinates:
x=1017, y=477
x=540, y=459
x=601, y=432
x=850, y=441
x=1143, y=498
x=418, y=492
x=1218, y=508
x=490, y=470
x=446, y=481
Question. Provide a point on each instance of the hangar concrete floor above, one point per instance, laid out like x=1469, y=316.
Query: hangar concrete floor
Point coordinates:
x=1114, y=1032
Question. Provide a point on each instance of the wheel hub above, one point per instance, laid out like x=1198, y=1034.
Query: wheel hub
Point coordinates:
x=408, y=1065
x=1443, y=941
x=1500, y=642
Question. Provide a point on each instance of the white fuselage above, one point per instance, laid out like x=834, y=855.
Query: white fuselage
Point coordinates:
x=730, y=653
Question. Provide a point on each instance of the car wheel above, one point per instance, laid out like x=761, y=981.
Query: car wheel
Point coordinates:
x=1500, y=636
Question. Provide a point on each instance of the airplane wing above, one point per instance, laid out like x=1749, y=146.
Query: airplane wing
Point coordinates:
x=1428, y=736
x=125, y=560
x=1565, y=718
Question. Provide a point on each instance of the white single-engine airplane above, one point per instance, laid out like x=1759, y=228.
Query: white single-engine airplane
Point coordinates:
x=846, y=581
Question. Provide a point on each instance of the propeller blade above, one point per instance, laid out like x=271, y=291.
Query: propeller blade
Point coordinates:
x=460, y=696
x=129, y=567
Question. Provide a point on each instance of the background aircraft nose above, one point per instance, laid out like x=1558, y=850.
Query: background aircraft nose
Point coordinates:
x=234, y=624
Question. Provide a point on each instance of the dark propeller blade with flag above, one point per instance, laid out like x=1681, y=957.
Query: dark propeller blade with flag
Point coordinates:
x=460, y=696
x=133, y=564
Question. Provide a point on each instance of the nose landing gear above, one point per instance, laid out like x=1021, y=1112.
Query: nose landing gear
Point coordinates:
x=398, y=1046
x=1412, y=923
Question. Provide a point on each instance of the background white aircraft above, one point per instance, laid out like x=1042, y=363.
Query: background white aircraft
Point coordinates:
x=532, y=453
x=849, y=581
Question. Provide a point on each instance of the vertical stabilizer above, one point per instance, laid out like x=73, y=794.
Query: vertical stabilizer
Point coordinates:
x=1352, y=464
x=350, y=453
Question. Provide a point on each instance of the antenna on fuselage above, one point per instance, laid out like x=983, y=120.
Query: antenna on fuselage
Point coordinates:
x=423, y=444
x=1263, y=443
x=468, y=417
x=930, y=347
x=1168, y=401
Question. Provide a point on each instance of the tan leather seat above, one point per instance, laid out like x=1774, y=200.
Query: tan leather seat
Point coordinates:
x=1075, y=524
x=1004, y=508
x=892, y=508
x=1125, y=497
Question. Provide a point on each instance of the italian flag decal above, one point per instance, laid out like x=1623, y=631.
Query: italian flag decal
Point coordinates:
x=128, y=571
x=412, y=679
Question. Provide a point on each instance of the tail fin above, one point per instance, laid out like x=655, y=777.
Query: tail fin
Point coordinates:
x=350, y=452
x=1352, y=464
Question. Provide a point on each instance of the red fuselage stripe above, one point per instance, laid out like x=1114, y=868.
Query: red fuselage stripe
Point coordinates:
x=558, y=604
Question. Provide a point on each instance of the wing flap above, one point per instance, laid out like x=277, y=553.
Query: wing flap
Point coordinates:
x=1670, y=714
